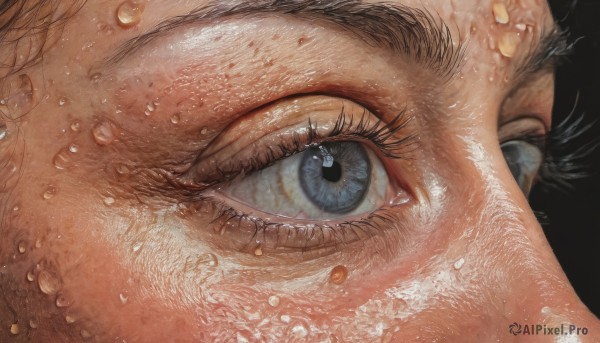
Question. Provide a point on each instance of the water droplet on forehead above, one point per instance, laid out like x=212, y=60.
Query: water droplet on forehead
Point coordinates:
x=15, y=329
x=73, y=148
x=258, y=251
x=204, y=131
x=33, y=324
x=70, y=319
x=123, y=298
x=30, y=276
x=299, y=331
x=338, y=275
x=85, y=334
x=500, y=13
x=103, y=133
x=129, y=14
x=175, y=118
x=48, y=282
x=62, y=101
x=508, y=44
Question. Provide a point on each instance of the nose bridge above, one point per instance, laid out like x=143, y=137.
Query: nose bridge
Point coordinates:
x=521, y=264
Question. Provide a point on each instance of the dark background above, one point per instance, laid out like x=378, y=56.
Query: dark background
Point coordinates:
x=573, y=215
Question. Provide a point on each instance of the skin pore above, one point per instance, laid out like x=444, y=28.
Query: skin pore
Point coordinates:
x=128, y=212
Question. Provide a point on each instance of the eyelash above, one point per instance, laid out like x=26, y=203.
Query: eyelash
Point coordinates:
x=384, y=136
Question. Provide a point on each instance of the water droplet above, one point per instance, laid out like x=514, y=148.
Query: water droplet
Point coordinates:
x=95, y=78
x=274, y=300
x=62, y=101
x=70, y=319
x=338, y=275
x=14, y=329
x=30, y=276
x=75, y=126
x=137, y=246
x=521, y=26
x=62, y=159
x=204, y=131
x=38, y=243
x=62, y=300
x=258, y=251
x=129, y=14
x=109, y=201
x=123, y=298
x=175, y=118
x=3, y=131
x=49, y=193
x=500, y=13
x=73, y=148
x=285, y=318
x=85, y=334
x=22, y=247
x=212, y=260
x=48, y=283
x=150, y=107
x=299, y=331
x=33, y=324
x=103, y=133
x=508, y=44
x=459, y=263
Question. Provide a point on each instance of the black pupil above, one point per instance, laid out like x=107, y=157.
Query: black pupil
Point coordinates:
x=333, y=173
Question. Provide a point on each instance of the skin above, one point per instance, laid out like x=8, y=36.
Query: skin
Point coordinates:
x=116, y=253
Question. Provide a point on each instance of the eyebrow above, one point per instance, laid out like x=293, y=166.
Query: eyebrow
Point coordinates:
x=404, y=30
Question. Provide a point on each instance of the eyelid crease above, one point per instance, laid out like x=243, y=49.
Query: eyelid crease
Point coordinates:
x=383, y=136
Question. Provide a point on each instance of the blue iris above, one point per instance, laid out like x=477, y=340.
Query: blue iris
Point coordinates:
x=335, y=176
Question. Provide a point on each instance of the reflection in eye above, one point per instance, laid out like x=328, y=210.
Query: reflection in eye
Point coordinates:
x=323, y=182
x=524, y=160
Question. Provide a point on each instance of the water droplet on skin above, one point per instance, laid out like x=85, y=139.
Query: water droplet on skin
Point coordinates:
x=150, y=107
x=48, y=283
x=22, y=247
x=274, y=300
x=299, y=331
x=63, y=300
x=175, y=118
x=62, y=101
x=85, y=333
x=3, y=131
x=49, y=193
x=258, y=251
x=338, y=275
x=123, y=298
x=109, y=201
x=285, y=318
x=73, y=148
x=30, y=276
x=38, y=243
x=521, y=27
x=459, y=263
x=103, y=133
x=14, y=329
x=95, y=78
x=75, y=126
x=136, y=247
x=508, y=44
x=204, y=131
x=129, y=14
x=70, y=319
x=33, y=324
x=212, y=260
x=500, y=13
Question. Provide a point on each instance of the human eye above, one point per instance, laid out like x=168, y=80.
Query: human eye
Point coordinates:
x=524, y=156
x=325, y=180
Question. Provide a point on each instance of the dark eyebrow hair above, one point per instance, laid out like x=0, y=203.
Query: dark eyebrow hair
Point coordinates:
x=412, y=32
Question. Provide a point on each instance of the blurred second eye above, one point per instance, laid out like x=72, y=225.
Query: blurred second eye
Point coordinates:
x=327, y=181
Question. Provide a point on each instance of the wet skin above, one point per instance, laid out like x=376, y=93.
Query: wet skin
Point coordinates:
x=110, y=232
